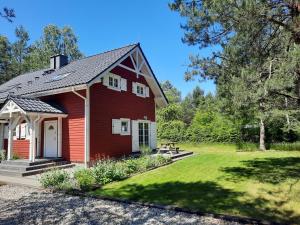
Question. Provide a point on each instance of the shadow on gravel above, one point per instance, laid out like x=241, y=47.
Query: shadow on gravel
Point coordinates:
x=49, y=208
x=207, y=197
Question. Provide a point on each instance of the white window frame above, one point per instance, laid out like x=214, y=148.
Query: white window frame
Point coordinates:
x=117, y=126
x=145, y=90
x=128, y=126
x=122, y=82
x=114, y=77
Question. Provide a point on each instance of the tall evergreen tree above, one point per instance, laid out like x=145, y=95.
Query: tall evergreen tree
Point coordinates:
x=6, y=69
x=20, y=50
x=253, y=36
x=172, y=93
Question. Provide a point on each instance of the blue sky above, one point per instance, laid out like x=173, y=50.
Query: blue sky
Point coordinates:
x=104, y=25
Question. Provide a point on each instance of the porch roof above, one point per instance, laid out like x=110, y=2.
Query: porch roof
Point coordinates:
x=28, y=105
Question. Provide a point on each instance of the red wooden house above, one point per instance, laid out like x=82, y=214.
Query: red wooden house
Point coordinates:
x=102, y=105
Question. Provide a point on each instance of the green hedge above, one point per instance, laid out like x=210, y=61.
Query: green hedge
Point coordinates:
x=284, y=146
x=211, y=127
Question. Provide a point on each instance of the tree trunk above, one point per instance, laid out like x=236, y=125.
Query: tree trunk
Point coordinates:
x=262, y=146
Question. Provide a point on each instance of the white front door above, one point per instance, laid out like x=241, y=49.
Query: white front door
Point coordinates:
x=50, y=138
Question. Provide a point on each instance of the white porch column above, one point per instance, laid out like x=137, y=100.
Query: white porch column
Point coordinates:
x=12, y=125
x=1, y=135
x=10, y=140
x=38, y=135
x=29, y=122
x=32, y=144
x=33, y=140
x=59, y=137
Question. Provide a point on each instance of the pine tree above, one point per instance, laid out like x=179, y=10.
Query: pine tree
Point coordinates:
x=254, y=36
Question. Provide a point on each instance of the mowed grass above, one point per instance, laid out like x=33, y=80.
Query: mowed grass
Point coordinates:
x=262, y=185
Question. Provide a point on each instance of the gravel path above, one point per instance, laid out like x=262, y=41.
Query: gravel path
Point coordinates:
x=24, y=205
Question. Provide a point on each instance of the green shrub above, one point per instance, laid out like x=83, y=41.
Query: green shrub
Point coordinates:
x=211, y=126
x=106, y=171
x=284, y=146
x=132, y=165
x=161, y=160
x=2, y=154
x=84, y=179
x=146, y=150
x=57, y=179
x=171, y=130
x=246, y=146
x=149, y=162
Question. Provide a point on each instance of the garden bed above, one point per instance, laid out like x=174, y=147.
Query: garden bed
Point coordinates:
x=104, y=171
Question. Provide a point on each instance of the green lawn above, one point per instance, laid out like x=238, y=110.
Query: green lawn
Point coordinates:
x=263, y=185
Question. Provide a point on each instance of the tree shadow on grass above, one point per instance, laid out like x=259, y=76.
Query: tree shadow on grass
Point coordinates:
x=207, y=197
x=267, y=170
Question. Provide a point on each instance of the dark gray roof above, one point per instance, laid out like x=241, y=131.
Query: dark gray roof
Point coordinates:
x=34, y=105
x=78, y=72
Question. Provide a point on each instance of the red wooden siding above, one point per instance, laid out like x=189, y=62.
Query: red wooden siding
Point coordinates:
x=72, y=125
x=21, y=148
x=107, y=104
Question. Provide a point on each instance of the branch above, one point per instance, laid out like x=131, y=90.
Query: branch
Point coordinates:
x=8, y=14
x=285, y=95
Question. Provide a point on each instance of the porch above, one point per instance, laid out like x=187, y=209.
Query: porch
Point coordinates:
x=22, y=119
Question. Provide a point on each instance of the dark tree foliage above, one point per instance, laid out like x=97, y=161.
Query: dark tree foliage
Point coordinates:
x=257, y=69
x=8, y=14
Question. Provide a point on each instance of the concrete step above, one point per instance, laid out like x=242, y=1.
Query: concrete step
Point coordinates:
x=34, y=171
x=181, y=155
x=25, y=162
x=25, y=168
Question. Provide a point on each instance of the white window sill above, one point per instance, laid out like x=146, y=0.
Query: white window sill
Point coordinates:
x=139, y=95
x=114, y=88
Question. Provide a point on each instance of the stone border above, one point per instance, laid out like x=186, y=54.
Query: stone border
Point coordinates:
x=239, y=219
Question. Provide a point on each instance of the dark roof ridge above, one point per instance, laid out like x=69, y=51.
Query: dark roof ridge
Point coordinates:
x=135, y=44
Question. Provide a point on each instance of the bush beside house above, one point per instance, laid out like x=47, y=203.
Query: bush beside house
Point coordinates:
x=104, y=171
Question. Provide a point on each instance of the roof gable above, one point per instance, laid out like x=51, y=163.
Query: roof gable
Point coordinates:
x=24, y=105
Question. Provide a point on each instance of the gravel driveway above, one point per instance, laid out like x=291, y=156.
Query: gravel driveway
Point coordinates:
x=24, y=205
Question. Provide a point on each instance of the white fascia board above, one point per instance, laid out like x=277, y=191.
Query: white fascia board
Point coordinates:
x=97, y=79
x=47, y=115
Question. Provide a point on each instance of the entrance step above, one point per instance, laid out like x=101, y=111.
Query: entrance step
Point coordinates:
x=181, y=155
x=21, y=168
x=25, y=162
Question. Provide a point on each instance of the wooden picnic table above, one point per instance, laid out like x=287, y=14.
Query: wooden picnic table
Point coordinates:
x=169, y=146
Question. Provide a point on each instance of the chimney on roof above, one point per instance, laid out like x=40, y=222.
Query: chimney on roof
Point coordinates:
x=58, y=61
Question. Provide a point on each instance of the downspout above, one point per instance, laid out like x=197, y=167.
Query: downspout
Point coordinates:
x=86, y=123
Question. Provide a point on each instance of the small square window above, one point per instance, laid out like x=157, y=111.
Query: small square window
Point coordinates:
x=124, y=126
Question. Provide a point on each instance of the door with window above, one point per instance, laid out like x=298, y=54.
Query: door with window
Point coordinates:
x=143, y=134
x=50, y=138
